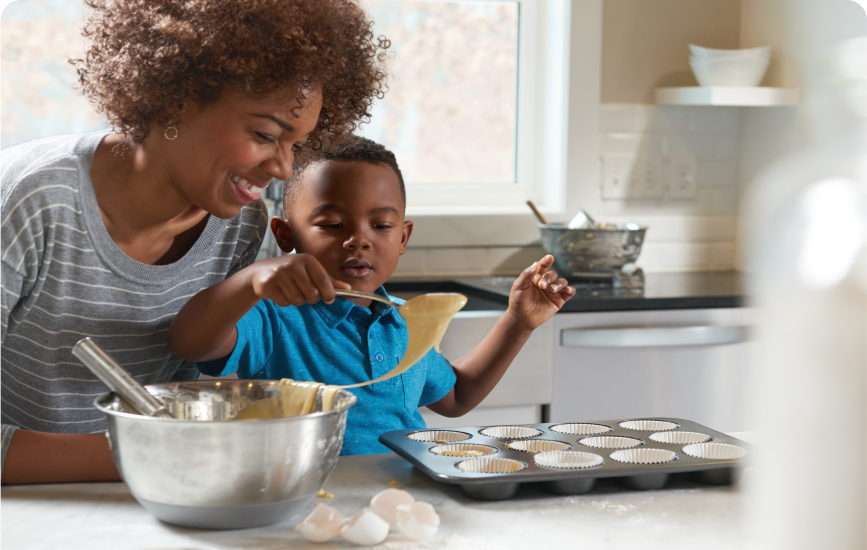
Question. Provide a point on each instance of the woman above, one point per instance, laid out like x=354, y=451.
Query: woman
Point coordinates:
x=108, y=234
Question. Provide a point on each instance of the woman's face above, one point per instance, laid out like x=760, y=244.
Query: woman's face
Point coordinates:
x=227, y=151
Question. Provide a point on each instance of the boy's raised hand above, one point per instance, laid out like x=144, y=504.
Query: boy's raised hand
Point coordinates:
x=537, y=294
x=293, y=280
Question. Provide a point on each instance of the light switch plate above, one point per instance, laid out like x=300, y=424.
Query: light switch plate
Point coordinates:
x=617, y=176
x=650, y=178
x=632, y=176
x=682, y=176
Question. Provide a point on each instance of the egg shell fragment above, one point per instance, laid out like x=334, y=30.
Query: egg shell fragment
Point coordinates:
x=418, y=521
x=323, y=524
x=365, y=528
x=385, y=503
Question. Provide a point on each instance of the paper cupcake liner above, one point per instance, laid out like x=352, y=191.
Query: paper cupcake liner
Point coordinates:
x=491, y=466
x=648, y=425
x=611, y=442
x=580, y=429
x=568, y=460
x=715, y=451
x=644, y=456
x=463, y=450
x=438, y=436
x=537, y=445
x=510, y=432
x=680, y=438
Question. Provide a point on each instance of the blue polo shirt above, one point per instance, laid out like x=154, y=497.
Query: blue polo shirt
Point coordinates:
x=341, y=343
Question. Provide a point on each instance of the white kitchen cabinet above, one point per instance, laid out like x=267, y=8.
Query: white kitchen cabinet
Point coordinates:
x=523, y=390
x=688, y=363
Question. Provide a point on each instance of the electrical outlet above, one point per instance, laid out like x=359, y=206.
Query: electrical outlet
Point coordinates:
x=650, y=181
x=682, y=173
x=632, y=177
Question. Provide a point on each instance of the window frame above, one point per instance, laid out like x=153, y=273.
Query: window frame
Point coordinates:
x=543, y=34
x=564, y=163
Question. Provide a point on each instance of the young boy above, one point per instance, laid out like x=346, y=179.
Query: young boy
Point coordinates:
x=280, y=318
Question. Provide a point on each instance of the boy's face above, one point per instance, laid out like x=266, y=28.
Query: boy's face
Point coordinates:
x=349, y=216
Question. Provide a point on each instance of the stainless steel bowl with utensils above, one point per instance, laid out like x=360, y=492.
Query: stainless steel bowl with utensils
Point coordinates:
x=597, y=252
x=202, y=470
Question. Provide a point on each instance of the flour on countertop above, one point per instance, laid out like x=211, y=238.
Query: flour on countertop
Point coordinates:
x=453, y=542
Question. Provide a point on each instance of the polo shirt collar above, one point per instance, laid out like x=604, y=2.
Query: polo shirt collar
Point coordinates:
x=335, y=313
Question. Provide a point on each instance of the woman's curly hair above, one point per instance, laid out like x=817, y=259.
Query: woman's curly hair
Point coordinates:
x=146, y=58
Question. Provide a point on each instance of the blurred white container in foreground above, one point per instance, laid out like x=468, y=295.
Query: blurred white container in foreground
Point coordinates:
x=806, y=231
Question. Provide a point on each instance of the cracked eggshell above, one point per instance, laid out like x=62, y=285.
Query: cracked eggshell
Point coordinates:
x=365, y=528
x=385, y=504
x=418, y=521
x=323, y=524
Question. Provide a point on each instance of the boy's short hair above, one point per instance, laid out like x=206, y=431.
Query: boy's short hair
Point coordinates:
x=351, y=149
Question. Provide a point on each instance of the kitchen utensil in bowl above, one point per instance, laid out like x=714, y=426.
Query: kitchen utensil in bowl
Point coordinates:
x=202, y=470
x=117, y=378
x=581, y=220
x=536, y=212
x=598, y=252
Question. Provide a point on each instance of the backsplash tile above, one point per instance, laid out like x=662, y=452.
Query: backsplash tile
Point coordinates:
x=511, y=260
x=723, y=255
x=617, y=118
x=451, y=260
x=413, y=262
x=714, y=120
x=684, y=256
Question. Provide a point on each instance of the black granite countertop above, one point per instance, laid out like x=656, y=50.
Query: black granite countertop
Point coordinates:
x=694, y=290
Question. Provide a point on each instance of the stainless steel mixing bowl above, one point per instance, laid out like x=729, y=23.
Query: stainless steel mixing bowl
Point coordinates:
x=203, y=471
x=592, y=252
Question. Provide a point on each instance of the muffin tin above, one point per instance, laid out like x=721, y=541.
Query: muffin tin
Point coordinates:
x=489, y=462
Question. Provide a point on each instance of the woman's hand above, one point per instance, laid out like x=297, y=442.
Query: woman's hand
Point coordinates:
x=537, y=294
x=293, y=280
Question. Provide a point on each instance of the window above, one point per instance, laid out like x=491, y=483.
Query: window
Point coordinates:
x=476, y=108
x=38, y=99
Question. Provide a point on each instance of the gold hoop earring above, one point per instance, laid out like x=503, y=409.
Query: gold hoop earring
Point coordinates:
x=171, y=129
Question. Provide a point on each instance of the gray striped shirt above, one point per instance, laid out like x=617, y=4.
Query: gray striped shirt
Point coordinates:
x=64, y=278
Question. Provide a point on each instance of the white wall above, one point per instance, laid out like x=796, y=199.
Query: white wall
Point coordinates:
x=644, y=43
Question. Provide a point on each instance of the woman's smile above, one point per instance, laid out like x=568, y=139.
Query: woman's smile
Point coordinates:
x=247, y=189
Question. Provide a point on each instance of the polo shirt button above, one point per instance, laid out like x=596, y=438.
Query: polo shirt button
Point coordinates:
x=379, y=357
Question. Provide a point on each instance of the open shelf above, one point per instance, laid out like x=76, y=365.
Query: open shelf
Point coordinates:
x=735, y=96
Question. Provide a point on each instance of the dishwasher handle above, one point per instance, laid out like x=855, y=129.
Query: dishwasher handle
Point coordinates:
x=643, y=337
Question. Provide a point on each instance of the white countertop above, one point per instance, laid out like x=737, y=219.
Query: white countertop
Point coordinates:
x=104, y=516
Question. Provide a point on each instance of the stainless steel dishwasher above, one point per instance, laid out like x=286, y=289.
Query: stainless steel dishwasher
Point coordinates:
x=687, y=363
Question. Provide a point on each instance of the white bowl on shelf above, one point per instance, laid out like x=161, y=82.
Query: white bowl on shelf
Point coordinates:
x=734, y=71
x=712, y=53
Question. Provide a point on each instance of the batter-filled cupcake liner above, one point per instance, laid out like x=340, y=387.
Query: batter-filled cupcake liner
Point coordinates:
x=463, y=450
x=491, y=466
